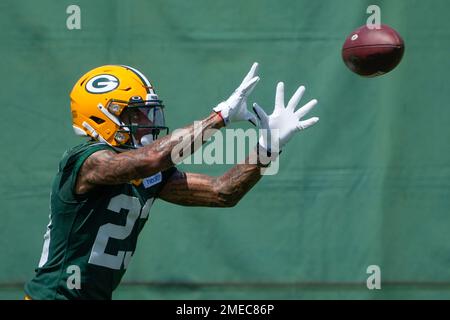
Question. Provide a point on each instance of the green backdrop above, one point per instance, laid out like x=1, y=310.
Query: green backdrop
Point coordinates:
x=369, y=185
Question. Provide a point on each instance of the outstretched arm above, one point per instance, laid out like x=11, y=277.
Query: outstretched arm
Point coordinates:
x=193, y=189
x=108, y=168
x=225, y=191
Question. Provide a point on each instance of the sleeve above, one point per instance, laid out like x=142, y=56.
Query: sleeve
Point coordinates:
x=71, y=169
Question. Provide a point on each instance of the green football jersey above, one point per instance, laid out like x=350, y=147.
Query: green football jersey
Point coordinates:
x=91, y=236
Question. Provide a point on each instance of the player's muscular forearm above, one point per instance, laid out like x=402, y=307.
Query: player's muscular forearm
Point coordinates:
x=192, y=189
x=236, y=182
x=108, y=168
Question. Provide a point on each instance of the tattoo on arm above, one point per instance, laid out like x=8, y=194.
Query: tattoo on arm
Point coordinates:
x=192, y=189
x=237, y=181
x=108, y=168
x=189, y=189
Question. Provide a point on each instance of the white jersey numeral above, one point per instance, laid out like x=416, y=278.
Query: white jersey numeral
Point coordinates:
x=111, y=231
x=45, y=248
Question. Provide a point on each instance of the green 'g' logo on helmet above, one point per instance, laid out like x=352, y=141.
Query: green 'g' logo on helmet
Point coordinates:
x=102, y=83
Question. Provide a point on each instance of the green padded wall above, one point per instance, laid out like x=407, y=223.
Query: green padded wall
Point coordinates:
x=369, y=185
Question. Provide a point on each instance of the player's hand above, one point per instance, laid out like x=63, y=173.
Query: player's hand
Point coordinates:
x=235, y=107
x=284, y=121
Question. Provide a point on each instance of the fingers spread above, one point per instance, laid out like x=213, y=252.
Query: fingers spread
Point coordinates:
x=251, y=74
x=262, y=116
x=295, y=99
x=305, y=109
x=248, y=87
x=302, y=125
x=279, y=96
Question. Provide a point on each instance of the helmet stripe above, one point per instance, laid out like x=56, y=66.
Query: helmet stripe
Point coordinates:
x=143, y=78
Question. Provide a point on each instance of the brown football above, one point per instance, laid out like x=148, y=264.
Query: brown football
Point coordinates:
x=373, y=52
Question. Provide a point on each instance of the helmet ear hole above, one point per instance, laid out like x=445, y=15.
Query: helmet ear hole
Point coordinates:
x=96, y=120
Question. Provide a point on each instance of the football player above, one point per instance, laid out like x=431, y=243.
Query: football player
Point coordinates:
x=104, y=189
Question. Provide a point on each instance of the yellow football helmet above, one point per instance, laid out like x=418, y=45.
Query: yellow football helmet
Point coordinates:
x=117, y=105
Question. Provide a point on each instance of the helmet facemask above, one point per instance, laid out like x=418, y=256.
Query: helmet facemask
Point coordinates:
x=141, y=121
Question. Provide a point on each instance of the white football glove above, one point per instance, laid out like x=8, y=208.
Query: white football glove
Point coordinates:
x=235, y=107
x=284, y=121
